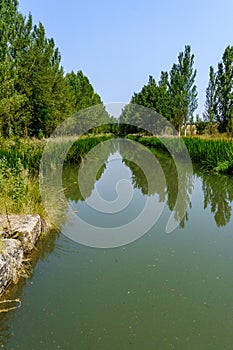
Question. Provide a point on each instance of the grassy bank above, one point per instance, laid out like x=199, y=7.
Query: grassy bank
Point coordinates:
x=19, y=170
x=212, y=154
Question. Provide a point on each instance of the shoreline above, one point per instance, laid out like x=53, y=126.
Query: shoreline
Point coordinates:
x=19, y=235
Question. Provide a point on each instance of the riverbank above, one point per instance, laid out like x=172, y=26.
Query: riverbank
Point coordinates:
x=23, y=218
x=19, y=235
x=212, y=154
x=19, y=171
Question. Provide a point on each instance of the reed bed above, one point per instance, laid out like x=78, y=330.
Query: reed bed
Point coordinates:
x=212, y=154
x=19, y=170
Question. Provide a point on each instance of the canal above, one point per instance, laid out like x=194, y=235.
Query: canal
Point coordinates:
x=161, y=291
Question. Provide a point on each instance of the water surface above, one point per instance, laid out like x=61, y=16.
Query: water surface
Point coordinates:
x=160, y=292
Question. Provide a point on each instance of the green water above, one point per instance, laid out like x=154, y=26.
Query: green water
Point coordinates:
x=160, y=292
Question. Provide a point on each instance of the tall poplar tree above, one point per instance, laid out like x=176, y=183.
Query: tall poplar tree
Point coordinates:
x=35, y=96
x=83, y=93
x=182, y=89
x=210, y=112
x=224, y=91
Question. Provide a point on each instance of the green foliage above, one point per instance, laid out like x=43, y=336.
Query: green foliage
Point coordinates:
x=154, y=96
x=35, y=95
x=201, y=125
x=12, y=181
x=174, y=97
x=82, y=146
x=213, y=155
x=182, y=89
x=29, y=151
x=19, y=169
x=216, y=155
x=224, y=80
x=83, y=93
x=219, y=94
x=211, y=101
x=169, y=145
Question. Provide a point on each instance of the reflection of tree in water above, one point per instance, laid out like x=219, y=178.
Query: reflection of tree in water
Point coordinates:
x=218, y=194
x=184, y=185
x=93, y=166
x=140, y=180
x=147, y=177
x=44, y=247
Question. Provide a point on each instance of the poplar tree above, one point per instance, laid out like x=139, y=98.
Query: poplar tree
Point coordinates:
x=224, y=91
x=182, y=89
x=35, y=95
x=10, y=100
x=83, y=97
x=83, y=93
x=210, y=112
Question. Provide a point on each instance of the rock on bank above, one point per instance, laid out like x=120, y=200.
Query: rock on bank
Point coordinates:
x=19, y=234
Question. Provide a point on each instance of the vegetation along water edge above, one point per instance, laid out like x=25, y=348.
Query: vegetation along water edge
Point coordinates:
x=212, y=154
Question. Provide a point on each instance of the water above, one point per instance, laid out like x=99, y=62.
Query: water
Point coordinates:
x=159, y=292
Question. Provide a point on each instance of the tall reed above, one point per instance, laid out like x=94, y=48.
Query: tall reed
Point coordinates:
x=212, y=155
x=19, y=170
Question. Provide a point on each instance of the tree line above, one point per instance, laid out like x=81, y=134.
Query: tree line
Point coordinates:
x=36, y=95
x=174, y=96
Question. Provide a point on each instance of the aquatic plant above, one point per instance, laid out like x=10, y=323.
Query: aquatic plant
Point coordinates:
x=215, y=155
x=19, y=170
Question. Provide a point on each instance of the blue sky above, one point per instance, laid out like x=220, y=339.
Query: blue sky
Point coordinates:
x=118, y=44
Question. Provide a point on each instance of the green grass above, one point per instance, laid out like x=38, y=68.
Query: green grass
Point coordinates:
x=29, y=151
x=212, y=154
x=216, y=155
x=19, y=170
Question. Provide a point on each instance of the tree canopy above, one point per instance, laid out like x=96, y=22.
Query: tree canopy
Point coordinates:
x=219, y=93
x=175, y=95
x=35, y=94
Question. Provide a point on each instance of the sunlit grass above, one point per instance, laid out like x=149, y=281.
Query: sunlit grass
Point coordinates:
x=212, y=154
x=19, y=172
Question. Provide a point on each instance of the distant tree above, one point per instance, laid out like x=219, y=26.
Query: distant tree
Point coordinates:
x=83, y=97
x=201, y=125
x=83, y=93
x=164, y=99
x=224, y=91
x=155, y=96
x=35, y=95
x=173, y=97
x=11, y=101
x=182, y=89
x=41, y=79
x=210, y=114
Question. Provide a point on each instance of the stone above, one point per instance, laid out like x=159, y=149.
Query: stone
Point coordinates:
x=25, y=228
x=19, y=234
x=11, y=260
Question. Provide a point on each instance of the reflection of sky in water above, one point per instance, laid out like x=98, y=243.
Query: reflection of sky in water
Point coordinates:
x=106, y=186
x=162, y=291
x=215, y=192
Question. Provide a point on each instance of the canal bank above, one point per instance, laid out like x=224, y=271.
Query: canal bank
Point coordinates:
x=162, y=291
x=19, y=235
